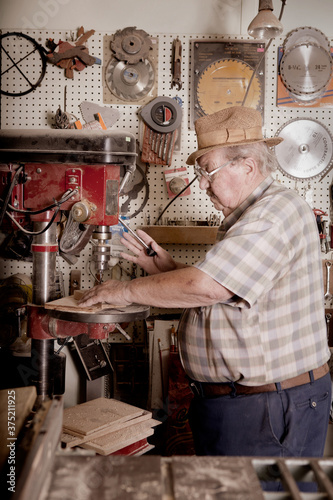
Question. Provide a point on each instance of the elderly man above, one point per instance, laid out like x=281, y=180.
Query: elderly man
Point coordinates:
x=252, y=337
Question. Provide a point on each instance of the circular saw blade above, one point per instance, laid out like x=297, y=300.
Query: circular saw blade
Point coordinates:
x=306, y=69
x=224, y=83
x=130, y=82
x=306, y=151
x=306, y=34
x=307, y=99
x=131, y=45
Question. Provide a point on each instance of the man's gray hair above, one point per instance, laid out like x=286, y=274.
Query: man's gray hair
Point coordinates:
x=259, y=151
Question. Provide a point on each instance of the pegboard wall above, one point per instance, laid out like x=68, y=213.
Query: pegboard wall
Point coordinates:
x=38, y=108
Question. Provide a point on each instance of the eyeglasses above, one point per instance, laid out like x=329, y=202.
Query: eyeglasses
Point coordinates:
x=200, y=172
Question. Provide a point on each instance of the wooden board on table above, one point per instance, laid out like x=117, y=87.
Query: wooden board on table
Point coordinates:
x=70, y=439
x=97, y=414
x=115, y=441
x=71, y=303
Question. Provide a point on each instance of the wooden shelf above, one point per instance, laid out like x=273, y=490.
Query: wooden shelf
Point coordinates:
x=204, y=235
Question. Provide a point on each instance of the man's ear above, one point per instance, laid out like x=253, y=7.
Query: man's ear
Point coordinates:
x=250, y=166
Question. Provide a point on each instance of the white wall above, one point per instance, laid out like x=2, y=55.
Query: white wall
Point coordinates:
x=159, y=16
x=155, y=16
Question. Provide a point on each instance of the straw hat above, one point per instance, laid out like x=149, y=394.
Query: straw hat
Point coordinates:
x=229, y=127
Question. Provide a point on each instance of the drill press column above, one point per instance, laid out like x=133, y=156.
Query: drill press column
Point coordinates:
x=44, y=249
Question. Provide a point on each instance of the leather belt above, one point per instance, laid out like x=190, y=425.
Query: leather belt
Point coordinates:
x=211, y=390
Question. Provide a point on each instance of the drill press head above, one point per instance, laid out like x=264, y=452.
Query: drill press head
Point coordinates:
x=89, y=167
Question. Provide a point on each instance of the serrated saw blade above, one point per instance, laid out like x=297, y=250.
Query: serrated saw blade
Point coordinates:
x=131, y=45
x=306, y=150
x=305, y=35
x=306, y=69
x=130, y=82
x=224, y=83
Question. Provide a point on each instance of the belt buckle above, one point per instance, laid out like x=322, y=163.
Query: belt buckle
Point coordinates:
x=195, y=388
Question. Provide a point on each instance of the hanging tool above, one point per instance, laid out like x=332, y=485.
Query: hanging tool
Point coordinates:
x=328, y=317
x=173, y=341
x=150, y=252
x=161, y=367
x=176, y=64
x=328, y=295
x=72, y=56
x=162, y=117
x=321, y=229
x=89, y=110
x=16, y=76
x=68, y=51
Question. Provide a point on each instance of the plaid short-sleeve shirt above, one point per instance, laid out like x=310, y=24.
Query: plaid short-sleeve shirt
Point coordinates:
x=268, y=255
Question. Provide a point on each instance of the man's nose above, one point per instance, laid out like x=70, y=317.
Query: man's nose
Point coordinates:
x=204, y=183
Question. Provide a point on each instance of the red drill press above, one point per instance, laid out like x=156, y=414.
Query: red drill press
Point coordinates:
x=45, y=172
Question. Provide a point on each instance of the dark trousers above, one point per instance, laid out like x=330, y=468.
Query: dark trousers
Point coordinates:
x=285, y=423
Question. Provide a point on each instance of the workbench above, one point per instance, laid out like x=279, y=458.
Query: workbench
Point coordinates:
x=184, y=478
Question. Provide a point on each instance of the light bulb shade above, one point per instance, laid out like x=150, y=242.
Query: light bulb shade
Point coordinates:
x=265, y=25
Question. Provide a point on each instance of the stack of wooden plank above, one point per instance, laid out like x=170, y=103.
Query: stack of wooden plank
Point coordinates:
x=108, y=426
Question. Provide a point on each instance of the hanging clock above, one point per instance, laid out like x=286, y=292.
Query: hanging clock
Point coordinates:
x=224, y=73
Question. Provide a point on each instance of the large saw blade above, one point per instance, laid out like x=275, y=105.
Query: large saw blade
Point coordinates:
x=306, y=151
x=304, y=35
x=130, y=82
x=306, y=69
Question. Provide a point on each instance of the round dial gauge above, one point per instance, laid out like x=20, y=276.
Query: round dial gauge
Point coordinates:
x=224, y=84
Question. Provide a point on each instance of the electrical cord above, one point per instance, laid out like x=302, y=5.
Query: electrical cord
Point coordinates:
x=34, y=233
x=56, y=204
x=173, y=199
x=9, y=193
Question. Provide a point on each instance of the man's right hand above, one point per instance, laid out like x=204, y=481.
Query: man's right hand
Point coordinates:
x=160, y=263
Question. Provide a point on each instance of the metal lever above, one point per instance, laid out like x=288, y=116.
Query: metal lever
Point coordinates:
x=129, y=171
x=150, y=252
